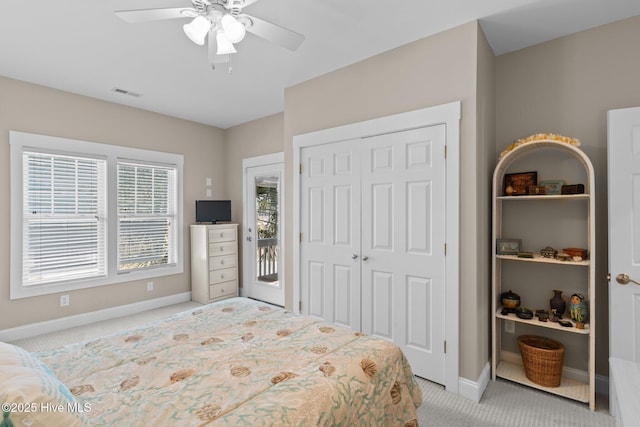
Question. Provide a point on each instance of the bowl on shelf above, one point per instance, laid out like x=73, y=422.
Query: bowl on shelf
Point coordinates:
x=524, y=313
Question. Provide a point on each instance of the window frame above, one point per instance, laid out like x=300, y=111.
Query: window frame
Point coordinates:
x=20, y=142
x=170, y=215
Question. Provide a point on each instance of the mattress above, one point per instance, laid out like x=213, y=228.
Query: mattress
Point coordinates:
x=238, y=362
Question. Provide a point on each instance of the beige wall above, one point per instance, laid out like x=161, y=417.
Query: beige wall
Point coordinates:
x=35, y=109
x=567, y=86
x=432, y=71
x=252, y=139
x=485, y=160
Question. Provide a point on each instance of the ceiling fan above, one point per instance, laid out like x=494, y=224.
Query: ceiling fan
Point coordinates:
x=222, y=21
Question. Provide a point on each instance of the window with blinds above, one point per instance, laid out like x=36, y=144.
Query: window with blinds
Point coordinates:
x=64, y=223
x=85, y=214
x=146, y=215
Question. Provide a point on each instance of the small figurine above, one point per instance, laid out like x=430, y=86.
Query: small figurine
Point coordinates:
x=548, y=252
x=6, y=421
x=578, y=310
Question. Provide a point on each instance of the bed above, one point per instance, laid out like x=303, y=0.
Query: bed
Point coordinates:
x=237, y=362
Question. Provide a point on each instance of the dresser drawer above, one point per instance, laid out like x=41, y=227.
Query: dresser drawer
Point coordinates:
x=222, y=234
x=224, y=248
x=223, y=289
x=225, y=275
x=218, y=262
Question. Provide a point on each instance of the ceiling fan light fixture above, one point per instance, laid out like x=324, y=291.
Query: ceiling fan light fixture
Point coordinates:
x=233, y=29
x=197, y=29
x=225, y=47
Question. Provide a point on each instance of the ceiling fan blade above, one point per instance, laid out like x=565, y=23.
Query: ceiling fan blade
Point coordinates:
x=273, y=33
x=239, y=4
x=146, y=15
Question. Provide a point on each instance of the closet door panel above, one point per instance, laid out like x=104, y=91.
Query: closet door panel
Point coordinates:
x=330, y=238
x=403, y=194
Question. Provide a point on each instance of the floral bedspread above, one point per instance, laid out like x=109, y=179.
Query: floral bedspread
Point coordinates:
x=239, y=362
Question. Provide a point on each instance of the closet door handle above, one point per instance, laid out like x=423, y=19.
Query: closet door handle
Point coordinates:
x=365, y=258
x=624, y=279
x=354, y=256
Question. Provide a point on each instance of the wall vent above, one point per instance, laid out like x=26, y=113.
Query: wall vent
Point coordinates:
x=126, y=92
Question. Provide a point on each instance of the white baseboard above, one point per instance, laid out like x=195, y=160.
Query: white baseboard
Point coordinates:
x=474, y=390
x=40, y=328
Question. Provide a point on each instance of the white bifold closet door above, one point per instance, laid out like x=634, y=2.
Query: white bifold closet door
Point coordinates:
x=373, y=240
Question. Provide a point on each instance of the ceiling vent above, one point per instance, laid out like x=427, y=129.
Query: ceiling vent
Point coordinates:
x=126, y=92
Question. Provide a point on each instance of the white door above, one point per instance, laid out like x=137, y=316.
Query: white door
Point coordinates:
x=624, y=233
x=373, y=234
x=403, y=238
x=330, y=224
x=262, y=254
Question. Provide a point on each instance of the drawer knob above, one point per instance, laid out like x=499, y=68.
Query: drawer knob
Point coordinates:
x=222, y=276
x=221, y=262
x=222, y=290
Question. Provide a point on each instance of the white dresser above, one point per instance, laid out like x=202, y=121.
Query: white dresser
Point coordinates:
x=214, y=262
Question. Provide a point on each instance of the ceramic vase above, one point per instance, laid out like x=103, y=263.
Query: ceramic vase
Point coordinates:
x=557, y=304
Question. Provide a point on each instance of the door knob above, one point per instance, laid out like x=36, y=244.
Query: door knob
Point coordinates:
x=354, y=256
x=624, y=279
x=365, y=258
x=248, y=238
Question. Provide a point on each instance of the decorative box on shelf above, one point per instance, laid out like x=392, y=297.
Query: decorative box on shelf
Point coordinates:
x=576, y=252
x=572, y=189
x=536, y=190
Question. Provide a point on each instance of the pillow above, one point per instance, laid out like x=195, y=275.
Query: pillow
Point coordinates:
x=31, y=395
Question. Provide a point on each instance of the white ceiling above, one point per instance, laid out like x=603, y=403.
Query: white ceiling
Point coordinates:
x=80, y=46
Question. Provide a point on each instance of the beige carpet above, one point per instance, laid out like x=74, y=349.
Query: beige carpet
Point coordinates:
x=503, y=404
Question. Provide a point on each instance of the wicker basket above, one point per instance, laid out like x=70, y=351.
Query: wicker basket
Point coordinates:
x=542, y=359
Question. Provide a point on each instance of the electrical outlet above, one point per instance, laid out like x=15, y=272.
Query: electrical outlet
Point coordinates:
x=209, y=192
x=510, y=326
x=149, y=286
x=64, y=300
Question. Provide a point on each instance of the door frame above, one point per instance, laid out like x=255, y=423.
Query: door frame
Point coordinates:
x=251, y=162
x=449, y=115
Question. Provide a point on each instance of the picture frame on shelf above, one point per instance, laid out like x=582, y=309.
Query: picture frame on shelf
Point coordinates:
x=552, y=187
x=508, y=246
x=517, y=184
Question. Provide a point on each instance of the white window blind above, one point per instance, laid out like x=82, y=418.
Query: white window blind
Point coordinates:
x=147, y=215
x=64, y=224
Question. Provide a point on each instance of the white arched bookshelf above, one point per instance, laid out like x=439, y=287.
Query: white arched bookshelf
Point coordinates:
x=559, y=221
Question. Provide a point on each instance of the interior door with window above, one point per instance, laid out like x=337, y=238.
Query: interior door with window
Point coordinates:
x=262, y=253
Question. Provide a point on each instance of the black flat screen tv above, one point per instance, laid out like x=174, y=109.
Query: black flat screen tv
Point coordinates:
x=213, y=211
